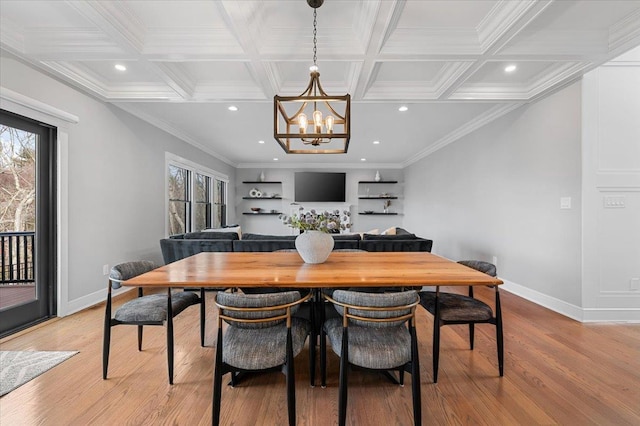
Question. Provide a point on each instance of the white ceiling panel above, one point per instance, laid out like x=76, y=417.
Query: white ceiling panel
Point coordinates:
x=444, y=59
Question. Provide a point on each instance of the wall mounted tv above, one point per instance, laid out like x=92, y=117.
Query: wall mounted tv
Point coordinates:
x=319, y=186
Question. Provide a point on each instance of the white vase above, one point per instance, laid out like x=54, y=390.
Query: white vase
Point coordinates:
x=377, y=178
x=261, y=177
x=314, y=246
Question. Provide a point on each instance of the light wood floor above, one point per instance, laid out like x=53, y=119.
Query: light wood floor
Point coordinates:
x=557, y=371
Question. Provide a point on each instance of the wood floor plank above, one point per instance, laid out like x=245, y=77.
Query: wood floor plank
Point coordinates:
x=557, y=371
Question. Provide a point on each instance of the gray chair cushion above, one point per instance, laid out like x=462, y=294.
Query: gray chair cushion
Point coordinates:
x=240, y=300
x=478, y=265
x=375, y=300
x=456, y=307
x=384, y=348
x=259, y=349
x=153, y=308
x=128, y=270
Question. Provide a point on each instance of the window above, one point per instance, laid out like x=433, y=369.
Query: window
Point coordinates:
x=197, y=197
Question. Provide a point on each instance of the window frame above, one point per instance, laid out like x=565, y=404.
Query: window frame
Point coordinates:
x=194, y=169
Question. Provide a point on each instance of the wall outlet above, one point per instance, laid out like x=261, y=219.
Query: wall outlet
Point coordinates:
x=105, y=269
x=634, y=284
x=495, y=261
x=565, y=202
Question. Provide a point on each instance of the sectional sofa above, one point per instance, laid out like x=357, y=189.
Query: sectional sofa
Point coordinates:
x=183, y=245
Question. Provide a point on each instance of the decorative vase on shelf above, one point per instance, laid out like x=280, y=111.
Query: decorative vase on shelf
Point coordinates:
x=261, y=177
x=377, y=178
x=314, y=246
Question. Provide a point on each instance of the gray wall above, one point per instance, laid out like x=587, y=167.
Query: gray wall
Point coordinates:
x=271, y=224
x=116, y=181
x=497, y=193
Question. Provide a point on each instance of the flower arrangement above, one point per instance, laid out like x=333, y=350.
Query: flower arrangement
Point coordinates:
x=315, y=221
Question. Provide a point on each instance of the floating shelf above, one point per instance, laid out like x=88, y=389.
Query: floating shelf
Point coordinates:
x=261, y=214
x=378, y=198
x=380, y=181
x=257, y=181
x=377, y=213
x=262, y=198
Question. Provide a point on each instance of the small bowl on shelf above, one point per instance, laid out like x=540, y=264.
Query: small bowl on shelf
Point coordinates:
x=368, y=212
x=256, y=209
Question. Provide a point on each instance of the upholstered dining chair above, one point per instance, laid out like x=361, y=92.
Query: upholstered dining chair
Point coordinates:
x=451, y=308
x=375, y=331
x=152, y=309
x=262, y=334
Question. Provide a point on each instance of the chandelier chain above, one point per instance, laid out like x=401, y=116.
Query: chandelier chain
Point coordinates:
x=315, y=41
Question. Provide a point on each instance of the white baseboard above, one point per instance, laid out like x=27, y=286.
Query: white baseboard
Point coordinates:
x=572, y=311
x=84, y=302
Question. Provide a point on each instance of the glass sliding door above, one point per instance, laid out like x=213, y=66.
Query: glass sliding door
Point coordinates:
x=27, y=222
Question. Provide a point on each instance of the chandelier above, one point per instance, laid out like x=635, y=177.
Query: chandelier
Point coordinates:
x=312, y=122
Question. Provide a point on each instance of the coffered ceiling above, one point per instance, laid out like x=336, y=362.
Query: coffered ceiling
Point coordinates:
x=188, y=61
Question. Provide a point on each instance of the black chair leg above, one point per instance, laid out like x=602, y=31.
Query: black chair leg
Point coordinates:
x=291, y=382
x=499, y=336
x=415, y=379
x=170, y=349
x=312, y=359
x=105, y=347
x=170, y=336
x=139, y=338
x=342, y=387
x=401, y=376
x=217, y=381
x=471, y=335
x=323, y=358
x=436, y=349
x=202, y=317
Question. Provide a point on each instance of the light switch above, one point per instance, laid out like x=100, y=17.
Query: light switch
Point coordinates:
x=565, y=202
x=614, y=202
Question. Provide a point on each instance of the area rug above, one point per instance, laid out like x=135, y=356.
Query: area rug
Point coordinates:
x=18, y=367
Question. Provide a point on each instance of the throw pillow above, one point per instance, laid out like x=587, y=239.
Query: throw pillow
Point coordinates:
x=389, y=231
x=390, y=237
x=235, y=229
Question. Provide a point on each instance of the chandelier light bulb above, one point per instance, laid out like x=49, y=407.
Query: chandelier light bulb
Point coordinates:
x=317, y=120
x=329, y=123
x=313, y=68
x=302, y=123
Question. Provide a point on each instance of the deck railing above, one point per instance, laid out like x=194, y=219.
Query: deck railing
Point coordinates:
x=17, y=257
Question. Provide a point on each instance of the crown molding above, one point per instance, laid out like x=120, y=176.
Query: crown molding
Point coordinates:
x=478, y=122
x=626, y=33
x=8, y=95
x=162, y=125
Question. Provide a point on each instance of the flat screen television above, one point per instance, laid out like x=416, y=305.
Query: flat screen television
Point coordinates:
x=319, y=186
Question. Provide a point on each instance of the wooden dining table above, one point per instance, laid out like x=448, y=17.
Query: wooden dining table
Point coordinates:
x=286, y=269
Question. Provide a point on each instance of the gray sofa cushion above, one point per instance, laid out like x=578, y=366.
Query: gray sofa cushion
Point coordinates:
x=175, y=249
x=389, y=237
x=417, y=244
x=211, y=236
x=249, y=236
x=263, y=245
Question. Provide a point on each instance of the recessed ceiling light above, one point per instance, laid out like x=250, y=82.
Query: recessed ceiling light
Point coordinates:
x=260, y=141
x=403, y=108
x=363, y=159
x=376, y=142
x=120, y=67
x=510, y=68
x=275, y=158
x=233, y=108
